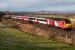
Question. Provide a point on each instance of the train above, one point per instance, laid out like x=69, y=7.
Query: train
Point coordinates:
x=61, y=23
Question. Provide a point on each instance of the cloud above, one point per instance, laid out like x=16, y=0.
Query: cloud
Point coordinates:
x=61, y=8
x=24, y=3
x=3, y=5
x=34, y=5
x=41, y=3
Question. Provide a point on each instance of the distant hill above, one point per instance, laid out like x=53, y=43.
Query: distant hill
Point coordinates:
x=55, y=12
x=39, y=12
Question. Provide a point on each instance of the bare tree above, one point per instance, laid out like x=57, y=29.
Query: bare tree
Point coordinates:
x=1, y=15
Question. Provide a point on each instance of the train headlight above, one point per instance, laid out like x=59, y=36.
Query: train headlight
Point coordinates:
x=69, y=25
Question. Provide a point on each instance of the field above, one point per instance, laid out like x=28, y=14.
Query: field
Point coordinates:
x=13, y=39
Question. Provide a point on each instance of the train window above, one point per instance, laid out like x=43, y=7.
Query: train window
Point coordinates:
x=42, y=20
x=57, y=19
x=67, y=21
x=60, y=19
x=31, y=18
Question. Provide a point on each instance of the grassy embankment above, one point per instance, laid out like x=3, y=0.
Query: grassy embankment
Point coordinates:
x=13, y=39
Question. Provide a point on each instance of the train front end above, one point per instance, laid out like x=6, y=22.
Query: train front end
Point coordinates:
x=67, y=24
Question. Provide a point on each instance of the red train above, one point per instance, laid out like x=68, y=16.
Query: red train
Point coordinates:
x=53, y=22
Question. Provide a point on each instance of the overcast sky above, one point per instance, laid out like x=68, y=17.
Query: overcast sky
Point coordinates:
x=37, y=5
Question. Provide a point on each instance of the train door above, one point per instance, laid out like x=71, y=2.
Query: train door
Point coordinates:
x=22, y=17
x=36, y=20
x=19, y=17
x=56, y=23
x=60, y=24
x=48, y=21
x=51, y=23
x=25, y=18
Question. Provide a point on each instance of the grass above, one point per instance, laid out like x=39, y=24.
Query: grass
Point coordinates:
x=13, y=39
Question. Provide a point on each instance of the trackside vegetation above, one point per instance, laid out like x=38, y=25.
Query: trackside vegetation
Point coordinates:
x=13, y=39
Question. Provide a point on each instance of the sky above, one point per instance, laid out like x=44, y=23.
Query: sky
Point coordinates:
x=37, y=5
